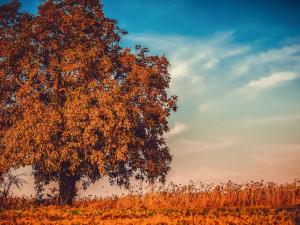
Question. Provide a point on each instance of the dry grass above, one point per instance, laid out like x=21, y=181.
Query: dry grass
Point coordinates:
x=196, y=203
x=69, y=215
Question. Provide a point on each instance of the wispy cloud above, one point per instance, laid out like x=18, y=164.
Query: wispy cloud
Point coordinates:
x=273, y=80
x=214, y=65
x=270, y=120
x=255, y=86
x=177, y=129
x=279, y=57
x=205, y=144
x=193, y=60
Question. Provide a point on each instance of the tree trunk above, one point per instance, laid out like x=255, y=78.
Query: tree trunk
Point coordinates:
x=67, y=187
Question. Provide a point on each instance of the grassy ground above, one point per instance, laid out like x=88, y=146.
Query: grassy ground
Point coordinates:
x=250, y=203
x=70, y=215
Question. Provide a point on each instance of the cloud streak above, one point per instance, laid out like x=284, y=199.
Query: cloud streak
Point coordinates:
x=271, y=120
x=276, y=57
x=273, y=80
x=268, y=82
x=192, y=59
x=207, y=144
x=177, y=129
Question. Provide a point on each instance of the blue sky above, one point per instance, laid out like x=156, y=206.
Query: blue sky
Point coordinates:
x=235, y=66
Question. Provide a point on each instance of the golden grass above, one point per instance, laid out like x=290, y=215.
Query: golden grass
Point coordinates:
x=196, y=203
x=69, y=215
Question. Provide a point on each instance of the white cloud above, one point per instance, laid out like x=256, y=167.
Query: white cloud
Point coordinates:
x=177, y=129
x=193, y=60
x=270, y=120
x=275, y=57
x=211, y=63
x=186, y=146
x=272, y=80
x=254, y=86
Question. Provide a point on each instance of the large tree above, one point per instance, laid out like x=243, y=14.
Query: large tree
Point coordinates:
x=74, y=104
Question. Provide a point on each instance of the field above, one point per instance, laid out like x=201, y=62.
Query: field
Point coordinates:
x=196, y=203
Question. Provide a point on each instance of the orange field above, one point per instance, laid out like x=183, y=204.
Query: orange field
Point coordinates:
x=196, y=203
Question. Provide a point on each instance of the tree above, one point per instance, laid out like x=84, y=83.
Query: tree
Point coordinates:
x=75, y=105
x=9, y=180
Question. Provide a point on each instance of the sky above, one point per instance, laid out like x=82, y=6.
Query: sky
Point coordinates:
x=235, y=66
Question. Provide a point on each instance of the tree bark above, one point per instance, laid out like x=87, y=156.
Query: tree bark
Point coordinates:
x=67, y=187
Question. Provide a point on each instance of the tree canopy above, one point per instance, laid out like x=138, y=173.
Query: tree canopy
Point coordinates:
x=76, y=105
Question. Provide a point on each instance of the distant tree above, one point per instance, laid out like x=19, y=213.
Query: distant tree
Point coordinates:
x=9, y=180
x=74, y=104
